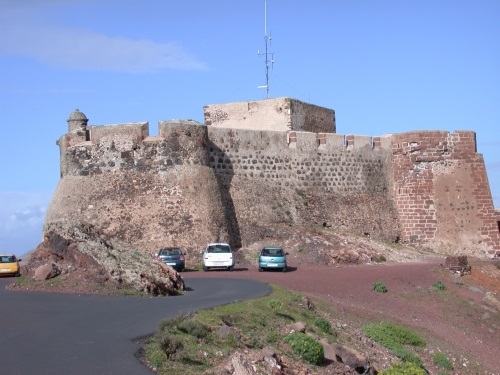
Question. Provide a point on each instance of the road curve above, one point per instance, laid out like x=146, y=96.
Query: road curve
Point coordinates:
x=53, y=333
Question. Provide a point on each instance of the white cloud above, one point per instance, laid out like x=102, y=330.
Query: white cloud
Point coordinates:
x=21, y=220
x=23, y=33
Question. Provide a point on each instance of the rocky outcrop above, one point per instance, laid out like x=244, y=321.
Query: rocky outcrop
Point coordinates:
x=78, y=248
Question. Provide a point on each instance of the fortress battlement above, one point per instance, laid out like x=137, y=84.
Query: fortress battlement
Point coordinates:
x=420, y=186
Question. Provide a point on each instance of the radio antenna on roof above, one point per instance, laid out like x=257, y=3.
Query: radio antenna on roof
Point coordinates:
x=268, y=61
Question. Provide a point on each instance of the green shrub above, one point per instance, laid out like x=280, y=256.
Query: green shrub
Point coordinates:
x=193, y=328
x=275, y=304
x=393, y=337
x=306, y=347
x=155, y=355
x=389, y=334
x=407, y=356
x=323, y=325
x=272, y=337
x=442, y=361
x=403, y=368
x=439, y=285
x=379, y=287
x=170, y=344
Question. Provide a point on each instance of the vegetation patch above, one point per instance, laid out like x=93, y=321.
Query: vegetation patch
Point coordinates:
x=395, y=338
x=323, y=325
x=442, y=361
x=379, y=287
x=198, y=342
x=404, y=368
x=438, y=285
x=306, y=347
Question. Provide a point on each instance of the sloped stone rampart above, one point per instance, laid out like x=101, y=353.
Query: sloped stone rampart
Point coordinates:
x=180, y=207
x=152, y=193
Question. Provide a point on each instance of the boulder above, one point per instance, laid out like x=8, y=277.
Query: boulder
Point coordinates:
x=351, y=358
x=458, y=264
x=46, y=271
x=296, y=327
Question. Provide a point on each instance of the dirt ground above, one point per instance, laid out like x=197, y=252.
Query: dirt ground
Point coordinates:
x=459, y=321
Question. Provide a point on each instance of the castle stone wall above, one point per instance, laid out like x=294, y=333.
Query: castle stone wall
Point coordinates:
x=301, y=177
x=442, y=192
x=151, y=192
x=298, y=159
x=194, y=184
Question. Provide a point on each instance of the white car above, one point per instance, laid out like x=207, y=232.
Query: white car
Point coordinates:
x=217, y=255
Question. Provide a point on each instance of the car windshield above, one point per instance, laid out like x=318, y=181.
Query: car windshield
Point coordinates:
x=272, y=252
x=7, y=258
x=218, y=249
x=170, y=252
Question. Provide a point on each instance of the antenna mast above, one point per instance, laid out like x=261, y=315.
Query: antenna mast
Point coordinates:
x=267, y=40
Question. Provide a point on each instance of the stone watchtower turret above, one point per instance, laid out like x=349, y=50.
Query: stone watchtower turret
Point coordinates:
x=77, y=123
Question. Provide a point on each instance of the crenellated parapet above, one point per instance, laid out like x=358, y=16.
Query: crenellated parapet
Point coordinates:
x=324, y=161
x=122, y=147
x=251, y=159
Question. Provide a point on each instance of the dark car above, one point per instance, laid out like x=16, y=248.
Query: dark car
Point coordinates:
x=173, y=256
x=272, y=257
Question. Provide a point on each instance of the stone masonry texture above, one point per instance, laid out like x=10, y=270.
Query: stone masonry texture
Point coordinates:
x=196, y=183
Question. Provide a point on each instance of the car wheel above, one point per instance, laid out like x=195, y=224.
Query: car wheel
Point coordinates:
x=231, y=268
x=205, y=268
x=284, y=269
x=261, y=269
x=17, y=274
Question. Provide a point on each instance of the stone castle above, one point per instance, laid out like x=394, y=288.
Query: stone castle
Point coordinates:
x=255, y=165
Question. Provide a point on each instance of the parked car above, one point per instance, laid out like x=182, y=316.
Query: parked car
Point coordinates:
x=9, y=265
x=217, y=255
x=273, y=258
x=173, y=256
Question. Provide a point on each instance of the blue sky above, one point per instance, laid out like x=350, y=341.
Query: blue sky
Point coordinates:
x=384, y=66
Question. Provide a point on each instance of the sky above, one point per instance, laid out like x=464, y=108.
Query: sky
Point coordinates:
x=384, y=66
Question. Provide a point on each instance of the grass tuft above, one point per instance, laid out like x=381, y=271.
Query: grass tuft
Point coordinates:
x=379, y=287
x=438, y=285
x=394, y=338
x=442, y=361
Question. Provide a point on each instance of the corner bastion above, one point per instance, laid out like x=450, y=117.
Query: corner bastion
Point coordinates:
x=253, y=165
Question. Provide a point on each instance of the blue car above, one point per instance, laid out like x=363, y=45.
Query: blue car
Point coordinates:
x=272, y=258
x=173, y=256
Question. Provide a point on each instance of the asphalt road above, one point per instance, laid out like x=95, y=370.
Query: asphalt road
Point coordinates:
x=70, y=334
